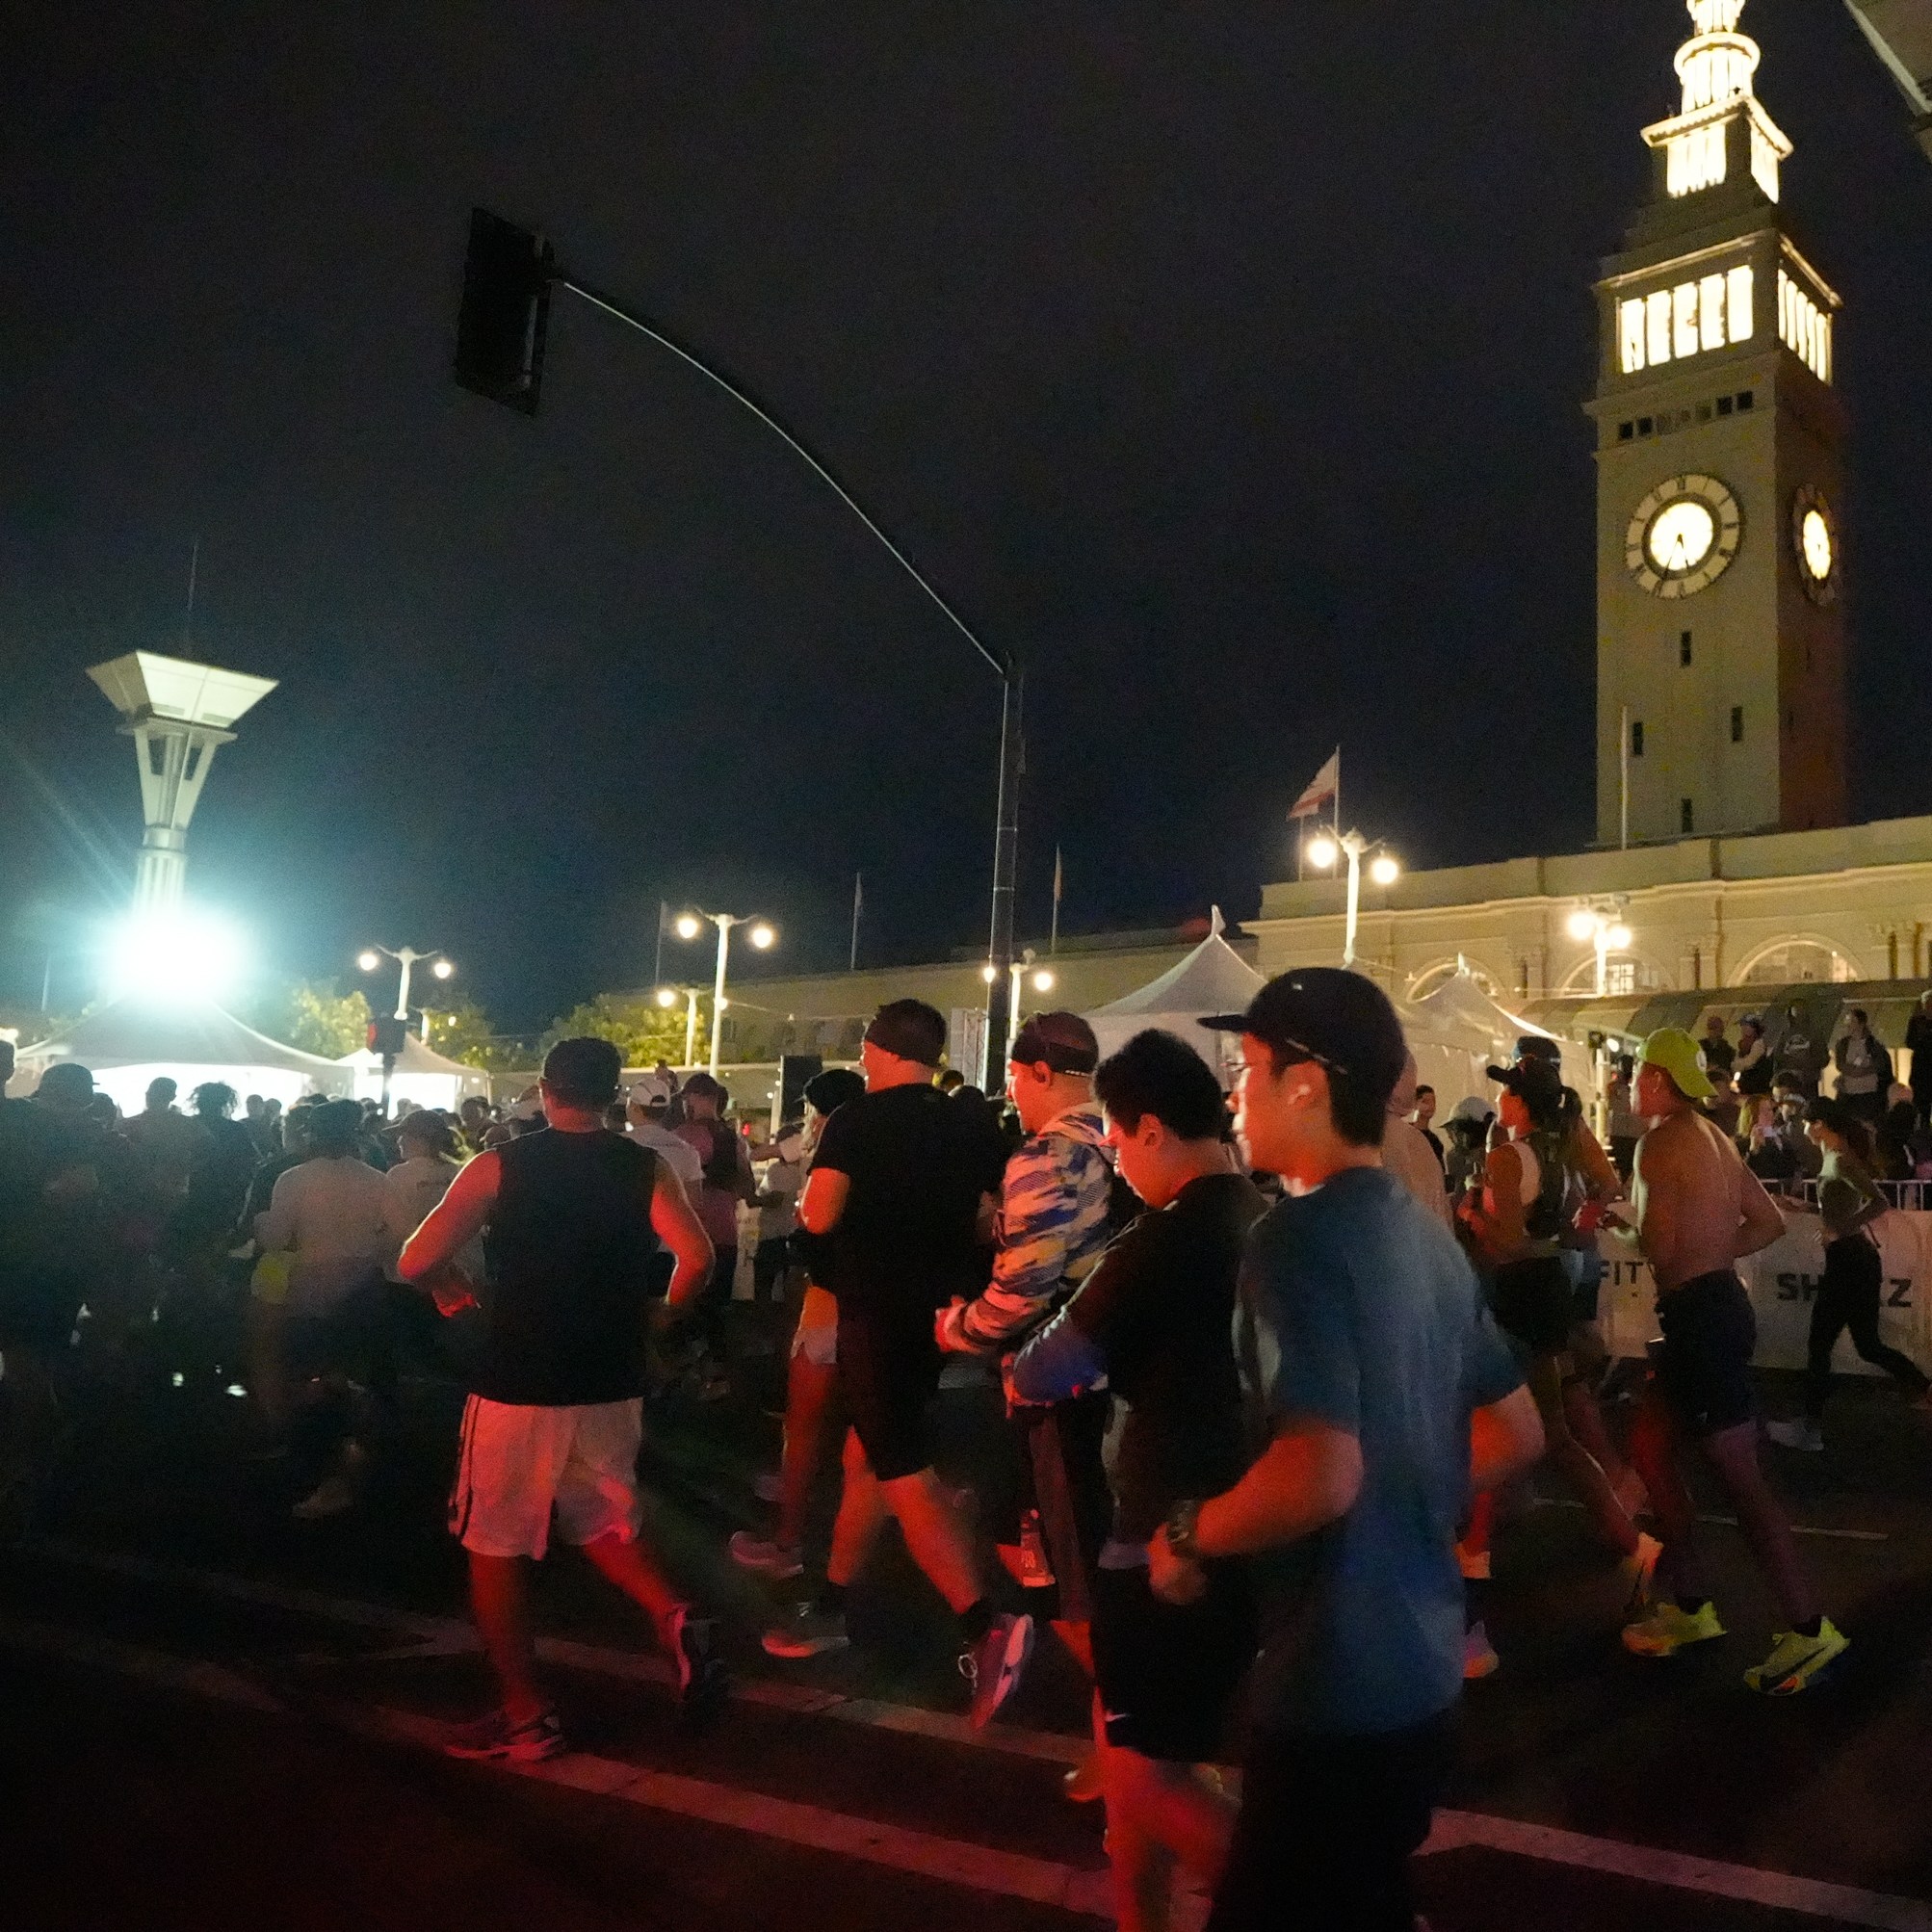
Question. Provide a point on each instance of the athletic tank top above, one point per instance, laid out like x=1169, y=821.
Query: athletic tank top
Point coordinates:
x=567, y=1248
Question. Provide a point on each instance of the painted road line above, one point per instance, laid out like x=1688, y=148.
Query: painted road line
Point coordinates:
x=1775, y=1890
x=445, y=1636
x=951, y=1861
x=1453, y=1828
x=980, y=1868
x=1731, y=1522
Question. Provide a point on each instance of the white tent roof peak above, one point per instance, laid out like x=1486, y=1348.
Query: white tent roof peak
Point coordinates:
x=1213, y=978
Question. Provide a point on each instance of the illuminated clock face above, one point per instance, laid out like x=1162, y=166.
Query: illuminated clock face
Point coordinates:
x=1814, y=543
x=1683, y=535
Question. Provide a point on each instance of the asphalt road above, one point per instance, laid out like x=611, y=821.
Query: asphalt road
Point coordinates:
x=215, y=1715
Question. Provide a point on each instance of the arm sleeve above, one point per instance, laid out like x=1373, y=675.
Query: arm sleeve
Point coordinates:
x=1040, y=1204
x=1058, y=1361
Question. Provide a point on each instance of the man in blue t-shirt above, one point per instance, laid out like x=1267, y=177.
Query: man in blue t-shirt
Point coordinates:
x=1382, y=1393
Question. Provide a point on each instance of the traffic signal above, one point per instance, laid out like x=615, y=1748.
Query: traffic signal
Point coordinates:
x=499, y=328
x=386, y=1034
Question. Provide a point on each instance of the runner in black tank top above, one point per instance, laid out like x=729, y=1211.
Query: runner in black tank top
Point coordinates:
x=569, y=1245
x=568, y=1217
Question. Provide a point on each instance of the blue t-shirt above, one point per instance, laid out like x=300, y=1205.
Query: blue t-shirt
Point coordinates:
x=1358, y=1310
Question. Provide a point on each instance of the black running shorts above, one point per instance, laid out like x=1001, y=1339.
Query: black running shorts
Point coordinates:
x=1534, y=1303
x=1703, y=1365
x=888, y=1374
x=1168, y=1673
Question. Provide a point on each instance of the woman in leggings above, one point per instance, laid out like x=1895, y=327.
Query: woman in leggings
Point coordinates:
x=1848, y=1296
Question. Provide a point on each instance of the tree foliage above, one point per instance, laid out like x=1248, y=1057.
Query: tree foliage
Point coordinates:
x=465, y=1034
x=312, y=1016
x=643, y=1032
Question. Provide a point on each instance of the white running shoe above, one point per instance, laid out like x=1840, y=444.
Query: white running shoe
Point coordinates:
x=1801, y=1433
x=769, y=1559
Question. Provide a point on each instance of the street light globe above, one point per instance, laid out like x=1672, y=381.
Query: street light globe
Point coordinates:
x=1043, y=982
x=368, y=959
x=1322, y=852
x=687, y=925
x=1618, y=938
x=1384, y=871
x=667, y=997
x=442, y=969
x=764, y=935
x=1583, y=924
x=989, y=973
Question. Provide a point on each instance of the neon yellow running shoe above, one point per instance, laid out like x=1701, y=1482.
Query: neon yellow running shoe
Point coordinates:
x=1795, y=1659
x=1668, y=1629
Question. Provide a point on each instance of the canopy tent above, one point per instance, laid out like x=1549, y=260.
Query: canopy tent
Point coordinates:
x=131, y=1041
x=1458, y=1031
x=1213, y=978
x=422, y=1075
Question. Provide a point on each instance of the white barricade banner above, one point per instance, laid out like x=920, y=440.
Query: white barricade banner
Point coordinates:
x=1783, y=1281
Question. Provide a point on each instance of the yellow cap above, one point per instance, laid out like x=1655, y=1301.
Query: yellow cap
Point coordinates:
x=1674, y=1049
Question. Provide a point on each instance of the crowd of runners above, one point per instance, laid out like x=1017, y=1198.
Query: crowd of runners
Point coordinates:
x=1271, y=1362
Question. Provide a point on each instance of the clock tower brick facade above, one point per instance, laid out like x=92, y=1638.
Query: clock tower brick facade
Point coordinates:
x=1720, y=653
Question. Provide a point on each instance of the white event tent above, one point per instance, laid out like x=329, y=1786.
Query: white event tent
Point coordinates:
x=131, y=1041
x=1213, y=978
x=422, y=1075
x=1458, y=1031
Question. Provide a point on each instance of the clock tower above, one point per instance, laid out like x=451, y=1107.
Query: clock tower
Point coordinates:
x=1720, y=650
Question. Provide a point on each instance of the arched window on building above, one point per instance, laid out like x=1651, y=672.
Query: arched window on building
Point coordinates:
x=1791, y=962
x=1433, y=977
x=1623, y=973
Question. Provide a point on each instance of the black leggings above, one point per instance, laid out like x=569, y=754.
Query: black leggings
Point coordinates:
x=1849, y=1297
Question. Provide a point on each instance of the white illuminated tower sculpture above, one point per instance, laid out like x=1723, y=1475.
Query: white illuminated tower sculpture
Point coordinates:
x=1720, y=623
x=176, y=713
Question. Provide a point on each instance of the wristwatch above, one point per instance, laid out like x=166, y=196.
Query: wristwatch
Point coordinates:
x=1180, y=1527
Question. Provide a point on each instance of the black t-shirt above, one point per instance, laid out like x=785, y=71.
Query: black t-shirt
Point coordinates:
x=567, y=1247
x=917, y=1164
x=1161, y=1306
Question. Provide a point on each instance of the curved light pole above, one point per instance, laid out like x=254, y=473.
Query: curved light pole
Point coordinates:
x=500, y=333
x=667, y=997
x=1384, y=870
x=763, y=933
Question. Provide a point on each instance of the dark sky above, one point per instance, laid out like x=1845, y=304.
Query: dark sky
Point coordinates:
x=1221, y=361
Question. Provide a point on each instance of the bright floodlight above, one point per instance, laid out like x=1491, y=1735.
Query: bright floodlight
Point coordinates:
x=1618, y=938
x=1322, y=852
x=1583, y=924
x=172, y=955
x=687, y=925
x=368, y=960
x=1384, y=871
x=762, y=936
x=989, y=973
x=667, y=997
x=442, y=969
x=1043, y=982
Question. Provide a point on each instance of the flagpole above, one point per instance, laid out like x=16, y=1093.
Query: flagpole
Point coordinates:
x=858, y=901
x=1059, y=886
x=658, y=965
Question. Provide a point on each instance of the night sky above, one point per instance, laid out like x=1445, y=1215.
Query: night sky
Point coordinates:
x=1223, y=362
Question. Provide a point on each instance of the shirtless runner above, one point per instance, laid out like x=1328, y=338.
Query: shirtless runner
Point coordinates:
x=1698, y=1209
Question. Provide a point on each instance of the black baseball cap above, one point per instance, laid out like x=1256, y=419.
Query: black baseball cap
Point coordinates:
x=1533, y=1079
x=1538, y=1047
x=1062, y=1041
x=1337, y=1019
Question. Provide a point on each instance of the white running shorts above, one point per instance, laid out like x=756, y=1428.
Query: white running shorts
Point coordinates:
x=519, y=1463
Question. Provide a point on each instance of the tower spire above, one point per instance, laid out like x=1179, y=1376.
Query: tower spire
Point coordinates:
x=1722, y=127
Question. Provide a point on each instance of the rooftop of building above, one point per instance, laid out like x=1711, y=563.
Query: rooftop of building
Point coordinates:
x=1755, y=856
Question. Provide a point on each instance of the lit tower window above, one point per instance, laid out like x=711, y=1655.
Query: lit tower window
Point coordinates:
x=1717, y=67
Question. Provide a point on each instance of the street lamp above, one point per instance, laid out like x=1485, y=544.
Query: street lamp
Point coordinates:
x=1384, y=870
x=1040, y=979
x=762, y=936
x=406, y=957
x=667, y=997
x=1604, y=929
